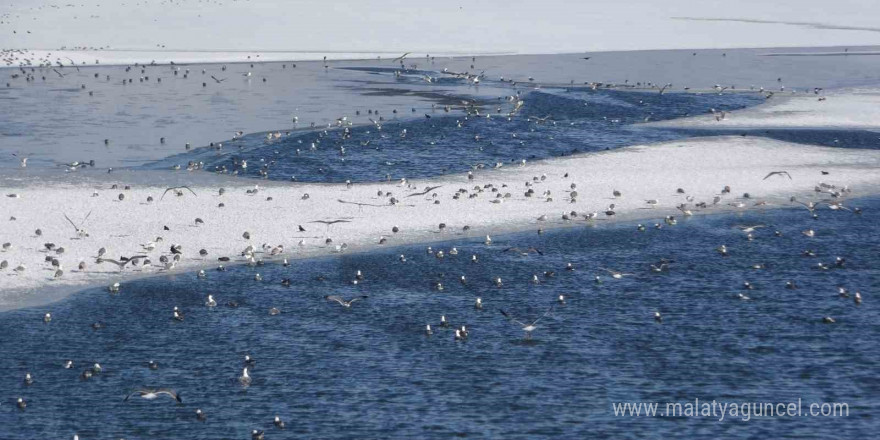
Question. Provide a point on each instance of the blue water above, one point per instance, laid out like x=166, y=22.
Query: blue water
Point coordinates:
x=435, y=142
x=370, y=372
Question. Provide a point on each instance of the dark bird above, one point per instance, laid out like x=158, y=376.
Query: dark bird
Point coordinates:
x=779, y=173
x=427, y=190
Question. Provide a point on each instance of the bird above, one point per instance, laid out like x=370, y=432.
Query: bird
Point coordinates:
x=121, y=264
x=278, y=422
x=526, y=327
x=750, y=229
x=153, y=393
x=177, y=191
x=245, y=378
x=79, y=231
x=615, y=274
x=342, y=302
x=22, y=161
x=427, y=190
x=777, y=173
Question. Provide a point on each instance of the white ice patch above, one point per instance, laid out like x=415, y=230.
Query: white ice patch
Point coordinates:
x=702, y=167
x=845, y=109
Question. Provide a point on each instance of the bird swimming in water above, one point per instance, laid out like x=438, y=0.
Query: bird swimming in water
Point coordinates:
x=245, y=378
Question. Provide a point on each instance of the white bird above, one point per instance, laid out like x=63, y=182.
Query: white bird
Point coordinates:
x=615, y=274
x=342, y=302
x=750, y=229
x=151, y=393
x=211, y=302
x=245, y=378
x=527, y=327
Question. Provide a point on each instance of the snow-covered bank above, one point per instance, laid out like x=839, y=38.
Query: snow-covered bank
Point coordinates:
x=702, y=167
x=552, y=26
x=846, y=109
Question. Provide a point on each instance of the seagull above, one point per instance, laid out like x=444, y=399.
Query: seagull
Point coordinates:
x=342, y=302
x=777, y=173
x=217, y=80
x=278, y=422
x=80, y=232
x=530, y=327
x=427, y=190
x=177, y=191
x=539, y=120
x=400, y=58
x=121, y=264
x=153, y=393
x=23, y=161
x=615, y=274
x=750, y=229
x=244, y=379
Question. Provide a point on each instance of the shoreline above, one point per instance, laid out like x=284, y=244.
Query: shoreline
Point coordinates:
x=866, y=50
x=640, y=172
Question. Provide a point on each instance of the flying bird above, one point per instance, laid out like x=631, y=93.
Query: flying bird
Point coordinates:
x=777, y=173
x=79, y=231
x=342, y=302
x=124, y=261
x=615, y=274
x=177, y=191
x=153, y=393
x=527, y=327
x=427, y=190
